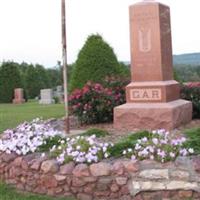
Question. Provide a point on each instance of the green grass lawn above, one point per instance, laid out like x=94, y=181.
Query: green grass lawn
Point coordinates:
x=7, y=193
x=11, y=115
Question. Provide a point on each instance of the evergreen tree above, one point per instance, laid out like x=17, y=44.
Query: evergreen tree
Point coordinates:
x=9, y=80
x=96, y=60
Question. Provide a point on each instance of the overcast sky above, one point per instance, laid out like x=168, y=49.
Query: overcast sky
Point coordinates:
x=31, y=29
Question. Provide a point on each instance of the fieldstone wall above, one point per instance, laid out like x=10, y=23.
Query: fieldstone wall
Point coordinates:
x=119, y=179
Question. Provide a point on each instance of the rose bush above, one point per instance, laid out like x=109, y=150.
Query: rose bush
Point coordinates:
x=94, y=103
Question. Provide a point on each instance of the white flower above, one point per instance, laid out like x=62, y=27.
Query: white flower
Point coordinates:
x=172, y=155
x=106, y=155
x=137, y=146
x=43, y=155
x=151, y=157
x=144, y=139
x=190, y=150
x=124, y=152
x=155, y=141
x=133, y=157
x=130, y=150
x=62, y=142
x=78, y=147
x=59, y=148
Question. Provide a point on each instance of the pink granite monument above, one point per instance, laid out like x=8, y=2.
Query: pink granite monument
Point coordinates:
x=153, y=97
x=18, y=96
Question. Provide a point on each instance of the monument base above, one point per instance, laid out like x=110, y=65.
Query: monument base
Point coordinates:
x=46, y=101
x=151, y=116
x=18, y=101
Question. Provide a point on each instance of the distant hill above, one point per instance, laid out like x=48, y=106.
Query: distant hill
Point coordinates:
x=182, y=59
x=187, y=59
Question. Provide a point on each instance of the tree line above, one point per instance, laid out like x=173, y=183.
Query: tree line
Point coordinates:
x=187, y=73
x=32, y=78
x=95, y=62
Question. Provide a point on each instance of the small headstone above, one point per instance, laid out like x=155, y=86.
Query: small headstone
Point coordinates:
x=18, y=96
x=59, y=93
x=153, y=96
x=59, y=88
x=46, y=96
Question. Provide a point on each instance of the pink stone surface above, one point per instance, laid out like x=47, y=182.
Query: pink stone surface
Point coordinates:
x=18, y=96
x=153, y=97
x=151, y=48
x=152, y=91
x=152, y=116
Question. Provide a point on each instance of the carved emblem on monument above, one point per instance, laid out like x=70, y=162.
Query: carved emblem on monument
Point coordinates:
x=144, y=39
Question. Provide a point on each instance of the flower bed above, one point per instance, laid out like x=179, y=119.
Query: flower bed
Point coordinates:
x=36, y=158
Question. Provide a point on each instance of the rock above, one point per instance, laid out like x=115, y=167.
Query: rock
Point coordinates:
x=66, y=188
x=67, y=168
x=114, y=195
x=24, y=165
x=183, y=185
x=101, y=194
x=17, y=162
x=83, y=196
x=154, y=174
x=124, y=190
x=15, y=171
x=152, y=186
x=118, y=168
x=100, y=169
x=131, y=166
x=81, y=170
x=78, y=182
x=105, y=180
x=102, y=187
x=50, y=166
x=183, y=162
x=8, y=157
x=125, y=197
x=60, y=178
x=40, y=190
x=137, y=186
x=185, y=194
x=178, y=174
x=138, y=197
x=49, y=181
x=88, y=189
x=89, y=179
x=196, y=164
x=36, y=164
x=121, y=180
x=58, y=190
x=76, y=190
x=114, y=187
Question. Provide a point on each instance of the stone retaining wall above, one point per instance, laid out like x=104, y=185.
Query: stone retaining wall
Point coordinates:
x=119, y=179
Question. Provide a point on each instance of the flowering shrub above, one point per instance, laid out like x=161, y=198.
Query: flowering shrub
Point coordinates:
x=191, y=92
x=80, y=150
x=94, y=103
x=27, y=137
x=39, y=136
x=160, y=146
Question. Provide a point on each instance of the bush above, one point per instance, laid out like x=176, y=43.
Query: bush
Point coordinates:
x=95, y=131
x=193, y=139
x=94, y=103
x=9, y=80
x=191, y=92
x=80, y=149
x=96, y=60
x=160, y=146
x=127, y=142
